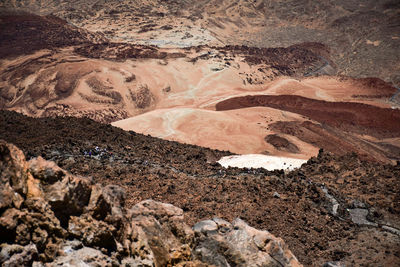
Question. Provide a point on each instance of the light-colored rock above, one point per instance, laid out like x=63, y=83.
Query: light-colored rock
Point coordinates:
x=159, y=233
x=334, y=264
x=15, y=256
x=359, y=216
x=167, y=215
x=106, y=203
x=6, y=251
x=241, y=245
x=68, y=196
x=33, y=186
x=13, y=168
x=46, y=171
x=205, y=226
x=82, y=257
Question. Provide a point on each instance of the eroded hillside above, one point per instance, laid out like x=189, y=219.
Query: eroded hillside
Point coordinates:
x=364, y=36
x=174, y=93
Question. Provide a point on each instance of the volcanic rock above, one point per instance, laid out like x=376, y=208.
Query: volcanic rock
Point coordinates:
x=84, y=256
x=54, y=206
x=281, y=143
x=16, y=255
x=238, y=244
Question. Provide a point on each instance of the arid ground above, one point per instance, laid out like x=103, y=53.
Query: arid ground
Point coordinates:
x=170, y=87
x=291, y=205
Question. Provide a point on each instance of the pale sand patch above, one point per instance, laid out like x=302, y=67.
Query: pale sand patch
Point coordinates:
x=374, y=43
x=261, y=161
x=240, y=131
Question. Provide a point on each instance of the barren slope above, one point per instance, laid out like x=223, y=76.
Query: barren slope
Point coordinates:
x=282, y=78
x=77, y=73
x=363, y=36
x=186, y=176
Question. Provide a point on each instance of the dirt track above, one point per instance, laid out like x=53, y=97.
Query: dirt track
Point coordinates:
x=185, y=176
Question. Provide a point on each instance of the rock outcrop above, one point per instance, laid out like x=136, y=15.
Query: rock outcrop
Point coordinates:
x=50, y=217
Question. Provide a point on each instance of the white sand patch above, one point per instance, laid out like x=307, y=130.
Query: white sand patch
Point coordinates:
x=261, y=161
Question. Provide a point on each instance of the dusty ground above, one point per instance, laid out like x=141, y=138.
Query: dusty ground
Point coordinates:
x=186, y=176
x=239, y=131
x=282, y=101
x=363, y=36
x=172, y=93
x=355, y=126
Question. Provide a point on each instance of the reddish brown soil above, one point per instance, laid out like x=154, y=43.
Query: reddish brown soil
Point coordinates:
x=337, y=141
x=185, y=176
x=354, y=117
x=377, y=88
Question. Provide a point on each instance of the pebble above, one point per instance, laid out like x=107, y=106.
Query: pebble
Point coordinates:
x=276, y=195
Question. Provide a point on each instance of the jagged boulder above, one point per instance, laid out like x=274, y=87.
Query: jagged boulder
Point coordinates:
x=14, y=176
x=92, y=232
x=106, y=203
x=68, y=195
x=43, y=208
x=157, y=233
x=223, y=244
x=73, y=253
x=17, y=255
x=46, y=171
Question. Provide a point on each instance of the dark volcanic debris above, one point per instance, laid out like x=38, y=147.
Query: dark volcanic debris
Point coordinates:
x=24, y=33
x=304, y=214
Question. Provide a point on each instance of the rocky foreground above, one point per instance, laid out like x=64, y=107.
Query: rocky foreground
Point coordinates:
x=52, y=218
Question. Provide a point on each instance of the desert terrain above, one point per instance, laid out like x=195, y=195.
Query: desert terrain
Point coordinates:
x=199, y=89
x=176, y=93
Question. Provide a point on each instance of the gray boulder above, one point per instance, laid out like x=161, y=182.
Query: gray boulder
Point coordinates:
x=223, y=244
x=16, y=255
